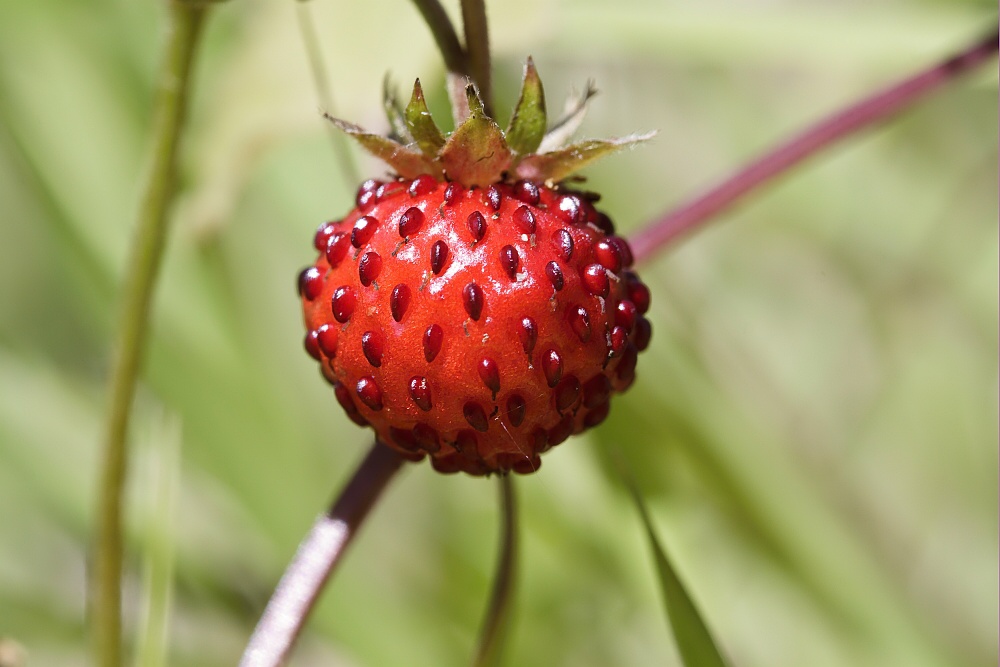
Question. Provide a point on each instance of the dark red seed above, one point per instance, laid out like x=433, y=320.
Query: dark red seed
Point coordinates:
x=367, y=192
x=369, y=267
x=472, y=299
x=494, y=197
x=608, y=255
x=596, y=390
x=373, y=347
x=337, y=247
x=310, y=283
x=439, y=255
x=433, y=338
x=558, y=433
x=399, y=301
x=509, y=260
x=525, y=466
x=448, y=465
x=420, y=392
x=555, y=275
x=552, y=367
x=639, y=295
x=411, y=221
x=516, y=408
x=570, y=209
x=579, y=321
x=403, y=438
x=427, y=438
x=564, y=243
x=343, y=395
x=624, y=249
x=414, y=457
x=452, y=193
x=597, y=415
x=625, y=314
x=343, y=303
x=467, y=444
x=567, y=393
x=312, y=345
x=643, y=332
x=528, y=334
x=539, y=439
x=595, y=280
x=626, y=367
x=489, y=373
x=604, y=223
x=370, y=393
x=363, y=231
x=527, y=192
x=323, y=234
x=477, y=225
x=476, y=416
x=386, y=190
x=326, y=336
x=422, y=185
x=618, y=339
x=525, y=220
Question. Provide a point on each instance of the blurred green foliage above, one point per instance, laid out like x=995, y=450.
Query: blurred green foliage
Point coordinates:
x=815, y=426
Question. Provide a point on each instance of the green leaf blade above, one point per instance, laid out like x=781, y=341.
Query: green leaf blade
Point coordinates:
x=694, y=641
x=527, y=125
x=421, y=125
x=406, y=162
x=394, y=113
x=476, y=153
x=559, y=164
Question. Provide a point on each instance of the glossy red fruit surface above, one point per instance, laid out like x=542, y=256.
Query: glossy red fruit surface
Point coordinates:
x=478, y=326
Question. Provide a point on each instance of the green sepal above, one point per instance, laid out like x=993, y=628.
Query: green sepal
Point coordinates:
x=527, y=125
x=476, y=153
x=559, y=164
x=573, y=114
x=406, y=162
x=421, y=125
x=394, y=112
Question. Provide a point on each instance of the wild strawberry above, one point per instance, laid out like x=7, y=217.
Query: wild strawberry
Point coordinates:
x=472, y=309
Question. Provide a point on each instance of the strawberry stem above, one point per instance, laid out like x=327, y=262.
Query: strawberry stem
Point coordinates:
x=185, y=22
x=477, y=45
x=859, y=116
x=444, y=35
x=321, y=550
x=496, y=622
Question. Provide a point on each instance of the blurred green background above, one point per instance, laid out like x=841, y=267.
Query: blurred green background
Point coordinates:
x=814, y=427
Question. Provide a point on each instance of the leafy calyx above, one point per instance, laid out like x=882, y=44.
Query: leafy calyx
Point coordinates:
x=478, y=152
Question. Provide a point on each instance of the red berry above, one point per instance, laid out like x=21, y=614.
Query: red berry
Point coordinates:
x=476, y=326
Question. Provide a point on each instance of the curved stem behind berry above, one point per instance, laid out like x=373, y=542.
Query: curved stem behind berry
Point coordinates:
x=314, y=52
x=477, y=46
x=185, y=22
x=317, y=555
x=444, y=35
x=496, y=621
x=861, y=115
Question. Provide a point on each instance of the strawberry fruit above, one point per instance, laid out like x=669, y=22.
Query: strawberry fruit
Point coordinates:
x=472, y=309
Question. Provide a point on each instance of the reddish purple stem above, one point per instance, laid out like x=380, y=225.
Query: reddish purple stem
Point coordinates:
x=319, y=552
x=856, y=117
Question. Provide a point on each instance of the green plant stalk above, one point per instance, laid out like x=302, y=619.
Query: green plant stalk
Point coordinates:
x=477, y=48
x=496, y=623
x=444, y=35
x=314, y=52
x=185, y=23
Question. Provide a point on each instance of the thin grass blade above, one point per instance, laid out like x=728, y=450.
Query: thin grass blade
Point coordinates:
x=694, y=641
